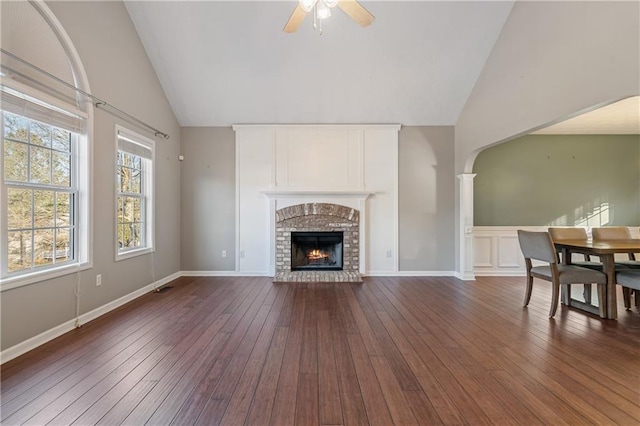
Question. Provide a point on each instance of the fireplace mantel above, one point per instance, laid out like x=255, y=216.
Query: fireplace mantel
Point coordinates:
x=297, y=193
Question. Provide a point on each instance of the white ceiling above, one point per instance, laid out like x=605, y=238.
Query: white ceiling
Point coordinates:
x=223, y=63
x=619, y=118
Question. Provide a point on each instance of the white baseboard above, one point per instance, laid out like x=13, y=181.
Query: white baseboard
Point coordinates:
x=495, y=273
x=225, y=274
x=465, y=276
x=412, y=274
x=44, y=337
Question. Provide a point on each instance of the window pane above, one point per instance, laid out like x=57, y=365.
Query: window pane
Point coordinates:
x=15, y=161
x=137, y=209
x=43, y=253
x=135, y=235
x=43, y=209
x=19, y=248
x=61, y=168
x=135, y=181
x=125, y=179
x=40, y=134
x=61, y=140
x=120, y=209
x=63, y=245
x=40, y=165
x=19, y=208
x=63, y=209
x=121, y=236
x=127, y=209
x=16, y=127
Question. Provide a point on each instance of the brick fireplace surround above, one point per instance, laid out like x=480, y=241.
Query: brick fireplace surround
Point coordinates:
x=313, y=217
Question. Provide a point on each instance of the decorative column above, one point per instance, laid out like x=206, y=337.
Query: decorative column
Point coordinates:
x=465, y=267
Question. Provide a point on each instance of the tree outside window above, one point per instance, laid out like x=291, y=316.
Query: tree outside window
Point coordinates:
x=134, y=194
x=38, y=161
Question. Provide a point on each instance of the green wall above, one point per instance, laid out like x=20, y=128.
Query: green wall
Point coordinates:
x=559, y=180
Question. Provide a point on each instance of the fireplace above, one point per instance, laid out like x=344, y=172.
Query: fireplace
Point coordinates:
x=316, y=251
x=317, y=242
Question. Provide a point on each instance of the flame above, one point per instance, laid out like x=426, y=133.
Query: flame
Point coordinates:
x=316, y=255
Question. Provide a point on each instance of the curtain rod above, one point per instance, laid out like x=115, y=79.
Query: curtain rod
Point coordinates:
x=97, y=102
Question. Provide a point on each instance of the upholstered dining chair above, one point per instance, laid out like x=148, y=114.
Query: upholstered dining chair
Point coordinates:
x=629, y=279
x=572, y=233
x=539, y=246
x=616, y=233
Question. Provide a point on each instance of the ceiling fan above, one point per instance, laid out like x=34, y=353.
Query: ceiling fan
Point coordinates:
x=322, y=9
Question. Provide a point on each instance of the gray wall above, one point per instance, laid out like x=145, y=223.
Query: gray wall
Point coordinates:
x=208, y=198
x=425, y=196
x=426, y=202
x=119, y=72
x=558, y=180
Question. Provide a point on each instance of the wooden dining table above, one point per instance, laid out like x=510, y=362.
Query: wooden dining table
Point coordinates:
x=606, y=251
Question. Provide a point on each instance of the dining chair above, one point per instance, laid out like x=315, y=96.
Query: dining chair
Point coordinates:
x=616, y=233
x=620, y=233
x=539, y=246
x=574, y=233
x=629, y=279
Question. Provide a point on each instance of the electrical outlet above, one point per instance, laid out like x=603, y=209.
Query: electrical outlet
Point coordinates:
x=388, y=253
x=98, y=280
x=242, y=253
x=224, y=253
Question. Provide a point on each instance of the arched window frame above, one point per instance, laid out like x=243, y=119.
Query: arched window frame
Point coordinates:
x=83, y=255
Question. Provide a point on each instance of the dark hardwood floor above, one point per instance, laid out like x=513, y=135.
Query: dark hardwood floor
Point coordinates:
x=388, y=351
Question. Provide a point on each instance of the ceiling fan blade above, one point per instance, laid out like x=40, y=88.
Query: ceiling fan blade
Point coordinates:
x=295, y=20
x=356, y=12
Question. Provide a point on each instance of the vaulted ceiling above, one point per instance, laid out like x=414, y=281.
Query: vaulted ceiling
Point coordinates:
x=223, y=63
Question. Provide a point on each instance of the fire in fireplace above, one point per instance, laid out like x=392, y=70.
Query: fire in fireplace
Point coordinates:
x=316, y=251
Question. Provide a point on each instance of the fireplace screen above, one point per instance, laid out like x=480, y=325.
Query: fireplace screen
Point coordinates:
x=316, y=251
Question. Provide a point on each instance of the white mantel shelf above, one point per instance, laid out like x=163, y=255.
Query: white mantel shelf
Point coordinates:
x=295, y=193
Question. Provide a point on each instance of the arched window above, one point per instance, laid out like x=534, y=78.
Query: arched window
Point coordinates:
x=45, y=126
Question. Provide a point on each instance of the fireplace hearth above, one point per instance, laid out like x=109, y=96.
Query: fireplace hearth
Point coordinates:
x=312, y=251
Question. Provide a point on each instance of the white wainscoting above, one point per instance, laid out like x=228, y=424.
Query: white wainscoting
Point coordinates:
x=497, y=252
x=281, y=165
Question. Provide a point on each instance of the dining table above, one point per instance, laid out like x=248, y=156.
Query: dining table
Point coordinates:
x=606, y=251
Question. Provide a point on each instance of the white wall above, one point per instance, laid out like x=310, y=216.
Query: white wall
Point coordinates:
x=316, y=158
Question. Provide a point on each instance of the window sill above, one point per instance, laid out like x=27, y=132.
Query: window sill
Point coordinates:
x=39, y=276
x=133, y=253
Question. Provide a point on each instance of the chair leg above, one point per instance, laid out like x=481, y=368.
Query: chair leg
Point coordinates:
x=626, y=295
x=554, y=299
x=636, y=296
x=527, y=294
x=602, y=300
x=565, y=295
x=587, y=293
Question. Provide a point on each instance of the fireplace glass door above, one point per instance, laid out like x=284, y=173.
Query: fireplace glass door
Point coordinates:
x=316, y=251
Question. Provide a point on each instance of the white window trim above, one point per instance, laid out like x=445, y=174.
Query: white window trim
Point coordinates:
x=149, y=190
x=82, y=234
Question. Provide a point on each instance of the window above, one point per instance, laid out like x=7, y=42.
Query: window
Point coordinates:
x=134, y=194
x=42, y=218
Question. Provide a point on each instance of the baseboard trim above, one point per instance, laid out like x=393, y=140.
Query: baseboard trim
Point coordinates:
x=465, y=276
x=495, y=273
x=46, y=336
x=410, y=274
x=225, y=274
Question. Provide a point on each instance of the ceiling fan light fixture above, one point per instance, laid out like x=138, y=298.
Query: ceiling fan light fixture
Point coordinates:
x=331, y=3
x=322, y=10
x=307, y=5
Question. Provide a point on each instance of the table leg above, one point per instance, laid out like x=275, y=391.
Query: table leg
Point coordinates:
x=609, y=268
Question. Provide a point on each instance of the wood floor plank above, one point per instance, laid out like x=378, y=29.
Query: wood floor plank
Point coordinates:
x=234, y=350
